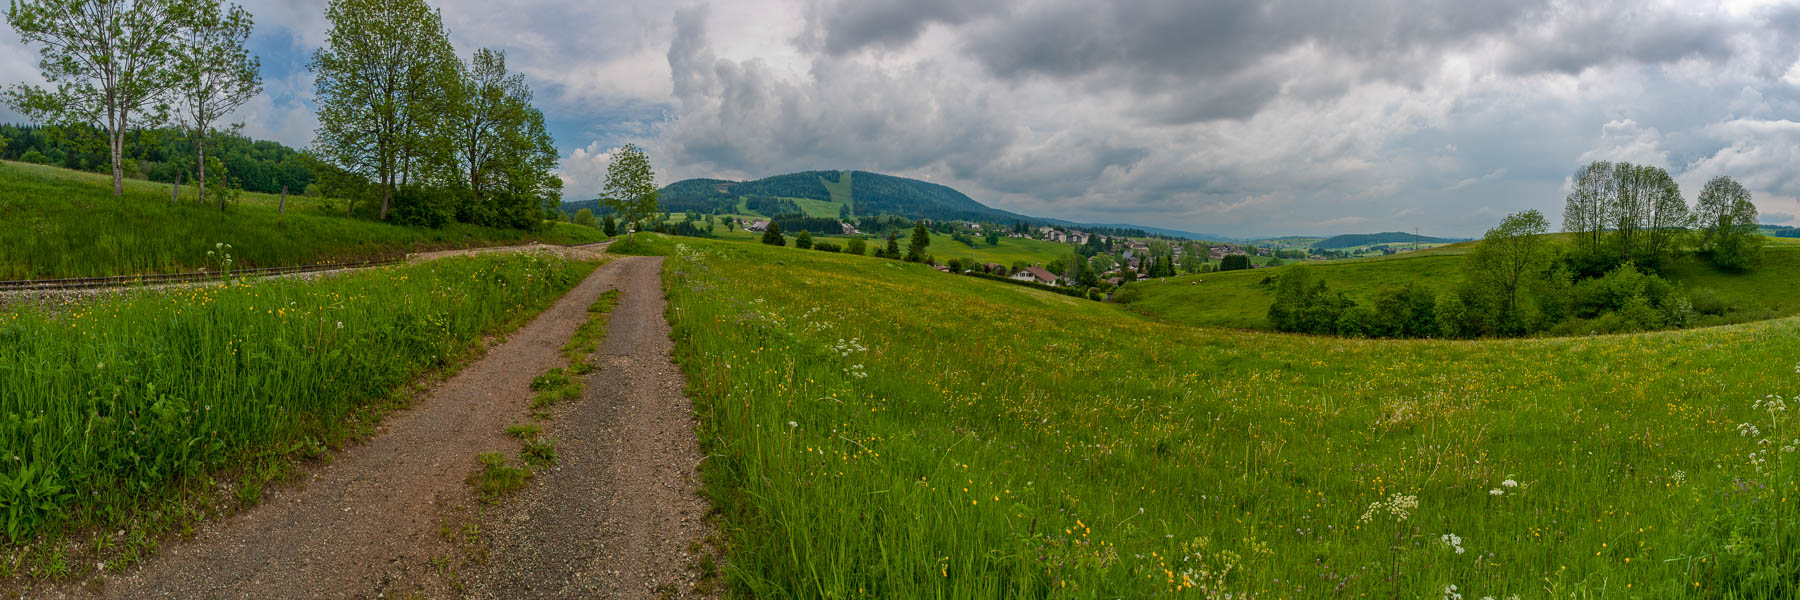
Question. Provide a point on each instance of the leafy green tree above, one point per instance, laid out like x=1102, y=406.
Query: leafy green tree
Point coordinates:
x=803, y=241
x=110, y=60
x=993, y=237
x=630, y=187
x=1234, y=262
x=856, y=246
x=921, y=239
x=611, y=227
x=1730, y=238
x=502, y=147
x=379, y=83
x=772, y=235
x=584, y=217
x=1511, y=258
x=217, y=74
x=893, y=246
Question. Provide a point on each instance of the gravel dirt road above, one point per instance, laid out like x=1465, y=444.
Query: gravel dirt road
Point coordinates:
x=621, y=515
x=613, y=520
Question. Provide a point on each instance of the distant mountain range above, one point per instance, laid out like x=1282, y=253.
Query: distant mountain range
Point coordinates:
x=1392, y=237
x=864, y=192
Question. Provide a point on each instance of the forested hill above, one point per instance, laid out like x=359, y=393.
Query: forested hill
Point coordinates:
x=1363, y=239
x=866, y=194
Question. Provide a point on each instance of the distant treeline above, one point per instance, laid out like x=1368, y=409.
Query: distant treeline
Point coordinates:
x=765, y=205
x=1784, y=232
x=162, y=155
x=796, y=223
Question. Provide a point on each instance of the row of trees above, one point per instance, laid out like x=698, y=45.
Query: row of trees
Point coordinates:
x=1621, y=212
x=400, y=116
x=118, y=65
x=398, y=109
x=1625, y=223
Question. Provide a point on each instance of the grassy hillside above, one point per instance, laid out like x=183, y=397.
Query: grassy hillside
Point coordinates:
x=876, y=429
x=1241, y=299
x=63, y=223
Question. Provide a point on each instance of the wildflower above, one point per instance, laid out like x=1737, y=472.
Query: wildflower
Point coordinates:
x=340, y=324
x=1509, y=483
x=1496, y=492
x=1453, y=541
x=1450, y=592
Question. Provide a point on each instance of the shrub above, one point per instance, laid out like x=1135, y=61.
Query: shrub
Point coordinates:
x=1234, y=262
x=803, y=241
x=826, y=246
x=857, y=246
x=584, y=217
x=422, y=208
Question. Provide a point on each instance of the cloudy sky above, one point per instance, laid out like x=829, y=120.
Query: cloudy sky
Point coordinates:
x=1235, y=117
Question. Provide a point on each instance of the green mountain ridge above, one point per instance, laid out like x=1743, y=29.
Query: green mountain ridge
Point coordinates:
x=1350, y=240
x=867, y=193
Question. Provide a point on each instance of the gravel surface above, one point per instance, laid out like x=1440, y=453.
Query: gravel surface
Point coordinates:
x=368, y=524
x=618, y=516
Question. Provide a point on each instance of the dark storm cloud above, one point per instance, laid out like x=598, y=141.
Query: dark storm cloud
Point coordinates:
x=843, y=27
x=744, y=117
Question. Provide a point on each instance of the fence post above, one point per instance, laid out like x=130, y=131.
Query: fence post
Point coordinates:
x=282, y=208
x=175, y=192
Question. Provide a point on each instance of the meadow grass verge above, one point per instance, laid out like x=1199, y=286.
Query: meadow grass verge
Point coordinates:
x=876, y=429
x=126, y=413
x=63, y=223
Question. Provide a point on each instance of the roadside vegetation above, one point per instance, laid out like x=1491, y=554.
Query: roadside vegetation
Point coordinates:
x=878, y=429
x=121, y=408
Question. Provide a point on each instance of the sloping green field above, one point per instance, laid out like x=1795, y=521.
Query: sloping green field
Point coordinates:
x=875, y=429
x=1241, y=299
x=62, y=223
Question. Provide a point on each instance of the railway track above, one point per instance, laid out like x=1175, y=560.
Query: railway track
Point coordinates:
x=116, y=281
x=76, y=283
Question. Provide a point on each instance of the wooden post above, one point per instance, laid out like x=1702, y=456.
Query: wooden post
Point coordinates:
x=175, y=193
x=282, y=208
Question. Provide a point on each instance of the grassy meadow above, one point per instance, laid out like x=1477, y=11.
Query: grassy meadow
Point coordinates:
x=63, y=223
x=109, y=406
x=1241, y=299
x=876, y=429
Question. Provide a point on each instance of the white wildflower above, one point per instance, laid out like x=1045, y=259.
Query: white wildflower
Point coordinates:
x=1509, y=483
x=1450, y=592
x=1496, y=492
x=1453, y=541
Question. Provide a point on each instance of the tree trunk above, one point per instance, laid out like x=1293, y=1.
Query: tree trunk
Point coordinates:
x=117, y=141
x=387, y=198
x=118, y=164
x=282, y=208
x=200, y=151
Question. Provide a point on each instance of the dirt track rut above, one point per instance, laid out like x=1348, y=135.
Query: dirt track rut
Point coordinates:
x=368, y=525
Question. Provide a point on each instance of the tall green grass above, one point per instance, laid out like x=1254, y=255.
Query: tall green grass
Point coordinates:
x=106, y=406
x=61, y=223
x=878, y=430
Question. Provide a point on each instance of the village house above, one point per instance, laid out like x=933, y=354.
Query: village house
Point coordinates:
x=1035, y=275
x=756, y=225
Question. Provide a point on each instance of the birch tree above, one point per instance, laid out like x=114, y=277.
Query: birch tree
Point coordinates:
x=217, y=74
x=111, y=61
